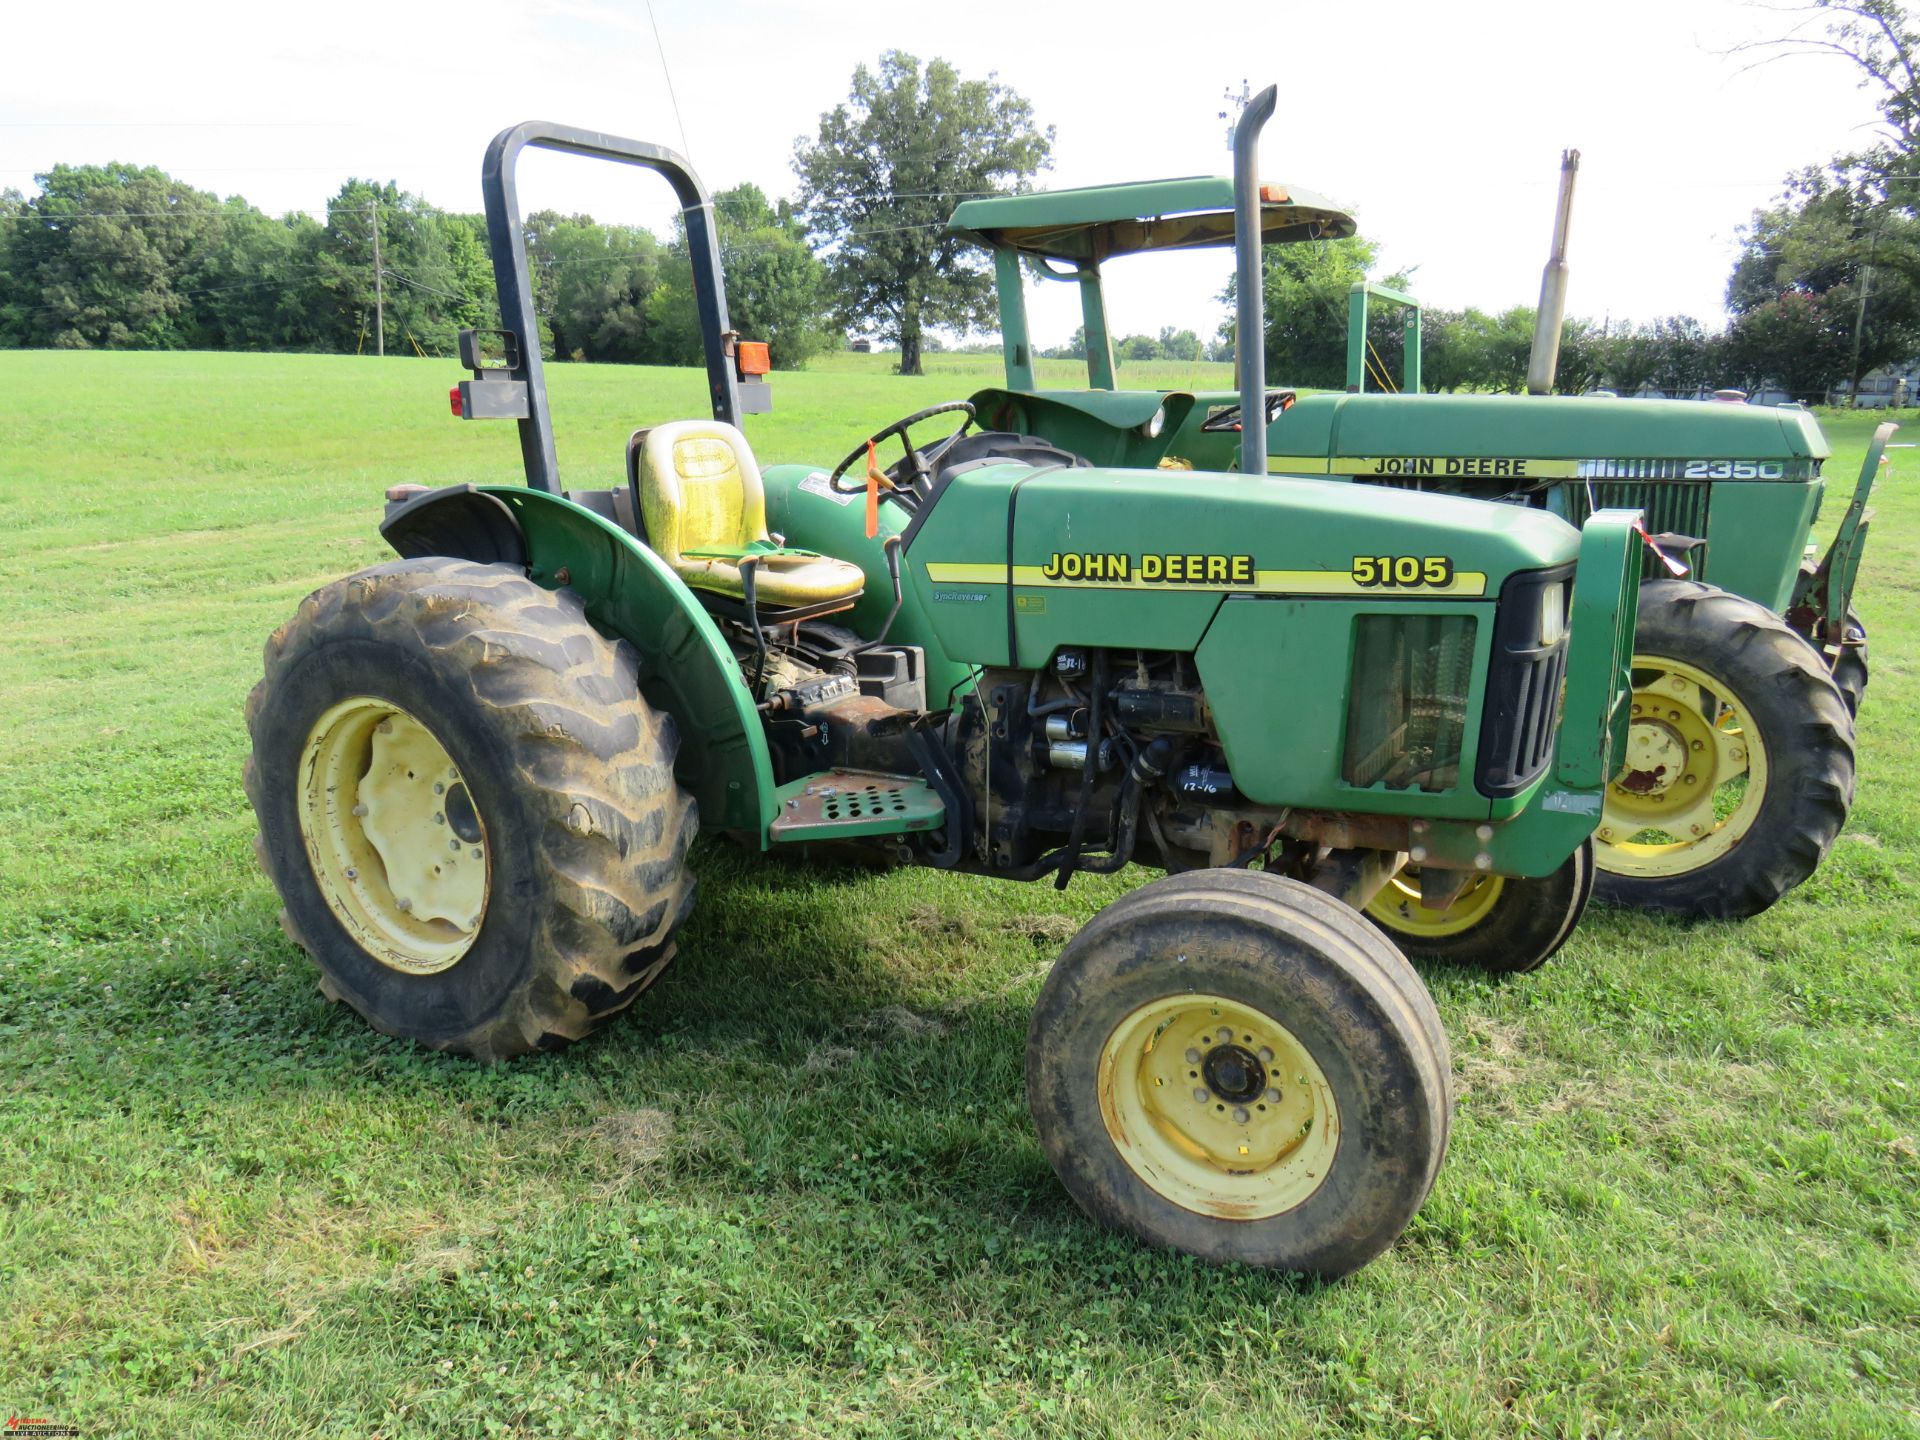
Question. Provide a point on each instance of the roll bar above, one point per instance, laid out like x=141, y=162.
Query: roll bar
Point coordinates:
x=506, y=238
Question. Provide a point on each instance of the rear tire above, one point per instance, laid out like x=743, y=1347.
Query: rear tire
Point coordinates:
x=1740, y=752
x=1235, y=1065
x=1503, y=924
x=564, y=828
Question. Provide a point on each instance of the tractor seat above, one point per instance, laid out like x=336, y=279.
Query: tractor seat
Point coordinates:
x=706, y=512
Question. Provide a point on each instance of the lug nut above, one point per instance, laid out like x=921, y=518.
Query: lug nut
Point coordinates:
x=439, y=817
x=1200, y=1094
x=1240, y=1115
x=1273, y=1097
x=359, y=810
x=453, y=844
x=476, y=852
x=1193, y=1056
x=438, y=788
x=1266, y=1055
x=404, y=903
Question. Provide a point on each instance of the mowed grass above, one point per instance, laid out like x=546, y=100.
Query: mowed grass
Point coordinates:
x=795, y=1192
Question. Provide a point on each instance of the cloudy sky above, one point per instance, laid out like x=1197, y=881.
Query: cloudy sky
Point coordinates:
x=1440, y=124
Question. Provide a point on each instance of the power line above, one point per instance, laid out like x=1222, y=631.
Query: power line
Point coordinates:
x=667, y=70
x=422, y=285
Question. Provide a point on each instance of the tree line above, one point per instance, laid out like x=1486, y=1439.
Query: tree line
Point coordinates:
x=126, y=257
x=1826, y=287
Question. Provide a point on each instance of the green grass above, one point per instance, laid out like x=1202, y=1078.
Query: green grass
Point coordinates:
x=795, y=1192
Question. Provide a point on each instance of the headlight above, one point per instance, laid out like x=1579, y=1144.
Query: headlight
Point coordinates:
x=1154, y=426
x=1553, y=615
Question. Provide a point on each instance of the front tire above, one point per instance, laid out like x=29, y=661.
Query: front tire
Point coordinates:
x=1503, y=924
x=1739, y=768
x=467, y=807
x=1235, y=1065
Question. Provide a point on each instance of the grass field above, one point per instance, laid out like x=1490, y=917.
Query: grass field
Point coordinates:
x=796, y=1192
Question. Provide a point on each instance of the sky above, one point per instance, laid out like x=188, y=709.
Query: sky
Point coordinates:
x=1440, y=125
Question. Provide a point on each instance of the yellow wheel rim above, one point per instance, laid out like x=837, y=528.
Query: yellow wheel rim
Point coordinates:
x=398, y=850
x=1398, y=906
x=1695, y=776
x=1217, y=1107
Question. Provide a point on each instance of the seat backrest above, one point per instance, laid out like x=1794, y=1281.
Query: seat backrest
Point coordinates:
x=700, y=489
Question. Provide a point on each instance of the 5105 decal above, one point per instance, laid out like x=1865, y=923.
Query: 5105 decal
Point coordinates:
x=1392, y=571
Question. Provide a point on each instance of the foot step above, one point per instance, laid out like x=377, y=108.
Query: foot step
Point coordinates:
x=842, y=804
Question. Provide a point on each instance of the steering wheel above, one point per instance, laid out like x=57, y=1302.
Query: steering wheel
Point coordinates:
x=914, y=461
x=1277, y=403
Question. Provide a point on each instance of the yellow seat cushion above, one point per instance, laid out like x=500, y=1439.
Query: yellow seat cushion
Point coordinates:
x=705, y=511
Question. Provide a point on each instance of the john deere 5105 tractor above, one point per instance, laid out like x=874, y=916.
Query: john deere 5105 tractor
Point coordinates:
x=1739, y=767
x=478, y=768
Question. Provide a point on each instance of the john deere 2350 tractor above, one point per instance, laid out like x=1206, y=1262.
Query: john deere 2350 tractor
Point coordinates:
x=1739, y=767
x=478, y=768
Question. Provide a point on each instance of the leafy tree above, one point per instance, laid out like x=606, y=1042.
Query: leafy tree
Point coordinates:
x=1505, y=347
x=1632, y=359
x=1799, y=341
x=1881, y=40
x=472, y=269
x=419, y=277
x=1583, y=358
x=1685, y=353
x=1446, y=353
x=879, y=181
x=1305, y=291
x=1179, y=344
x=1831, y=245
x=1137, y=347
x=1074, y=349
x=776, y=286
x=97, y=261
x=249, y=286
x=593, y=284
x=1849, y=230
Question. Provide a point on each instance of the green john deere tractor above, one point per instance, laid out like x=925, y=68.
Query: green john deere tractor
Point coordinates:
x=478, y=769
x=1739, y=767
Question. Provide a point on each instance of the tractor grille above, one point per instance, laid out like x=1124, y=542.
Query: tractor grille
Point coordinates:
x=1679, y=506
x=1407, y=703
x=1523, y=686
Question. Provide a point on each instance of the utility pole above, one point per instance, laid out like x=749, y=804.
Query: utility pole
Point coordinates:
x=1859, y=333
x=379, y=287
x=1235, y=104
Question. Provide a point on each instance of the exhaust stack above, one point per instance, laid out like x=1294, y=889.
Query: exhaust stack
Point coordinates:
x=1553, y=287
x=1250, y=317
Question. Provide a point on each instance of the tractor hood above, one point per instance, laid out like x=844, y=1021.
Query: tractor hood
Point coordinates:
x=1484, y=444
x=1129, y=558
x=1543, y=438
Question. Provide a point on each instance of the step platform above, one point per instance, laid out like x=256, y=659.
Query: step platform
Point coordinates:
x=846, y=804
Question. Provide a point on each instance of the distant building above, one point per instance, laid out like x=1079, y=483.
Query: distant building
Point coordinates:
x=860, y=345
x=1891, y=386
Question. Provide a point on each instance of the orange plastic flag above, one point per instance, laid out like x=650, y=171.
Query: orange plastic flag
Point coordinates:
x=874, y=481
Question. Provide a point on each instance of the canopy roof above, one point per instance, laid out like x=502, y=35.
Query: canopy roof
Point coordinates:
x=1100, y=221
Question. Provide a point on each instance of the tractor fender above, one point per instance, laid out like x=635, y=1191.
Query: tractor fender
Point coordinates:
x=686, y=667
